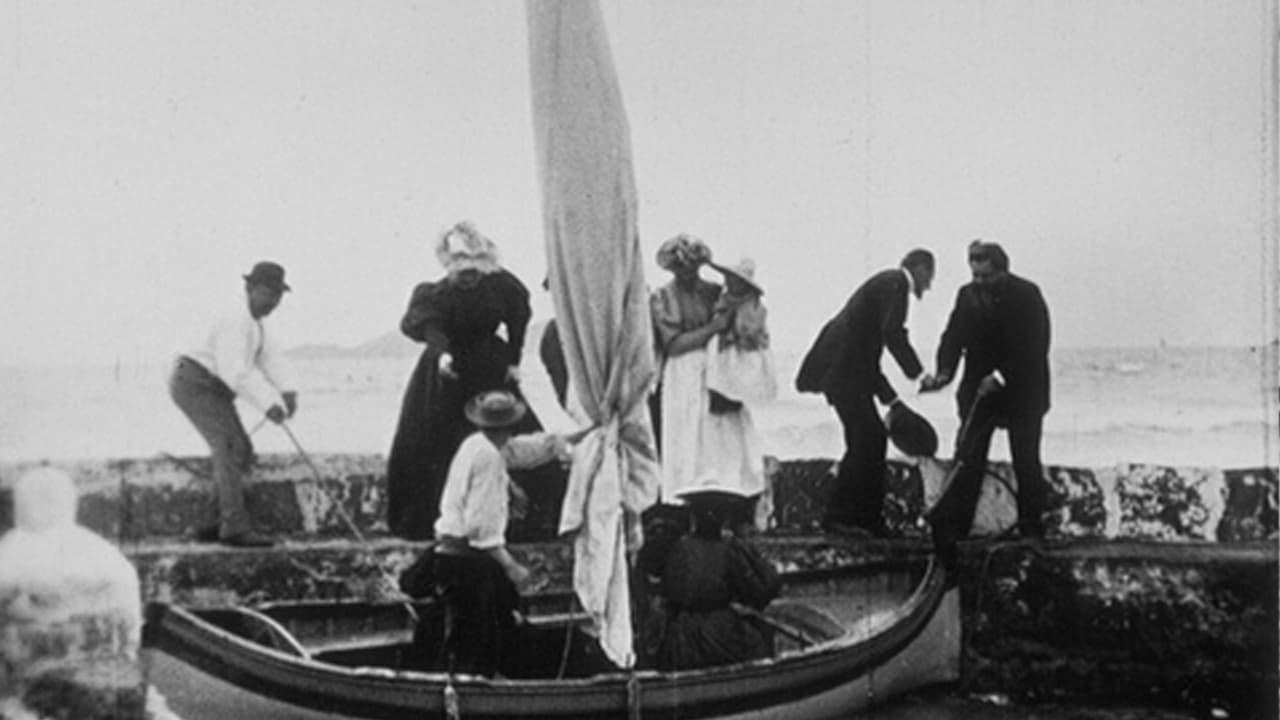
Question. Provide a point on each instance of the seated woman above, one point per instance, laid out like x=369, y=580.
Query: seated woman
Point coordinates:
x=701, y=575
x=470, y=569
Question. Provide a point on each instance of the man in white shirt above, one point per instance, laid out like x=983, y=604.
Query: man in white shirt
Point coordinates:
x=237, y=359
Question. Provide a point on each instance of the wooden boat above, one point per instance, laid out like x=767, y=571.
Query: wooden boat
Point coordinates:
x=845, y=638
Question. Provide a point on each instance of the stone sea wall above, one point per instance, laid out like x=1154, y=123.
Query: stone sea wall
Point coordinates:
x=164, y=498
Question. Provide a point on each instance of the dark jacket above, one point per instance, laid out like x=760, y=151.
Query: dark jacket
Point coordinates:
x=844, y=361
x=1011, y=335
x=460, y=315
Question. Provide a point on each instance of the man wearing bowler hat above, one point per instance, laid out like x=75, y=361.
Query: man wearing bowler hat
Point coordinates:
x=238, y=358
x=844, y=365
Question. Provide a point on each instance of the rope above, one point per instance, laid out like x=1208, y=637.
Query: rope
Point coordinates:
x=346, y=518
x=568, y=638
x=633, y=695
x=452, y=710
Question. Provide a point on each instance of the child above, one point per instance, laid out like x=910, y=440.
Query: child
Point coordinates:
x=740, y=368
x=472, y=571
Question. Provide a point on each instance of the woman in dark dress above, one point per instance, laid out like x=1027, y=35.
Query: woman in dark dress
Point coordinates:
x=458, y=318
x=701, y=574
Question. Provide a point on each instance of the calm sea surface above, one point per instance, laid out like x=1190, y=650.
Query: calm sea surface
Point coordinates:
x=1174, y=406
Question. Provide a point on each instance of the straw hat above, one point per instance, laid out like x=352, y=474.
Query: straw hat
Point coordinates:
x=745, y=271
x=463, y=247
x=495, y=409
x=683, y=250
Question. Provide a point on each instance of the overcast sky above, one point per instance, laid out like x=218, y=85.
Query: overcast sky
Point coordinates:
x=153, y=150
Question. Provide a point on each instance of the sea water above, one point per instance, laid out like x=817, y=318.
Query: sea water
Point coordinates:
x=1201, y=406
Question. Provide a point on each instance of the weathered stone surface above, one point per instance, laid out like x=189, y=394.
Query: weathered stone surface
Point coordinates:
x=1189, y=626
x=1169, y=503
x=800, y=490
x=904, y=504
x=1250, y=512
x=169, y=497
x=1077, y=502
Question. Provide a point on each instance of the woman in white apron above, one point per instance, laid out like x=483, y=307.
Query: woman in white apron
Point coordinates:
x=698, y=439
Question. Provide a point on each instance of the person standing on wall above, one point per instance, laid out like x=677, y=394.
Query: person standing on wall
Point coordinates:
x=1000, y=325
x=844, y=365
x=239, y=358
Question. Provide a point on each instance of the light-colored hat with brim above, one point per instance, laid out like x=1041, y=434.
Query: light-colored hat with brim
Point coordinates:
x=463, y=247
x=683, y=250
x=710, y=488
x=495, y=409
x=745, y=271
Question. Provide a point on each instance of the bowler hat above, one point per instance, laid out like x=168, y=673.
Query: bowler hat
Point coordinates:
x=494, y=409
x=269, y=274
x=911, y=432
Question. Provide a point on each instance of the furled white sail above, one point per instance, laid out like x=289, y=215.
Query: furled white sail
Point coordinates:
x=597, y=285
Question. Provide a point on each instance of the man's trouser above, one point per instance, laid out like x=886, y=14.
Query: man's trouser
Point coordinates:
x=210, y=405
x=952, y=516
x=857, y=495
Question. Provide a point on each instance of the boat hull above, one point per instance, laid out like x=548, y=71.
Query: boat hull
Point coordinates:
x=206, y=672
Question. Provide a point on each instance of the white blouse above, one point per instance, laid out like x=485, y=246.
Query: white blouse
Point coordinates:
x=473, y=505
x=244, y=355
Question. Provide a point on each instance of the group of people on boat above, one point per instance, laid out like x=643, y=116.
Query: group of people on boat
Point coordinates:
x=464, y=424
x=465, y=395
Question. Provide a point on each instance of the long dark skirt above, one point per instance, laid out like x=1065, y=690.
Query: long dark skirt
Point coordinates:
x=696, y=639
x=474, y=629
x=431, y=427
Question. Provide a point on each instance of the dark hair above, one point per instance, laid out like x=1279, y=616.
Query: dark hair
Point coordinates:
x=980, y=251
x=917, y=257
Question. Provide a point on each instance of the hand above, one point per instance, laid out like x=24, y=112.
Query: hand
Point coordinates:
x=574, y=437
x=517, y=574
x=513, y=373
x=290, y=402
x=533, y=583
x=988, y=385
x=720, y=317
x=446, y=366
x=276, y=414
x=930, y=383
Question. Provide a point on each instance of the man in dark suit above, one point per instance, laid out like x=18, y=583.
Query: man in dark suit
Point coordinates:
x=1000, y=324
x=844, y=365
